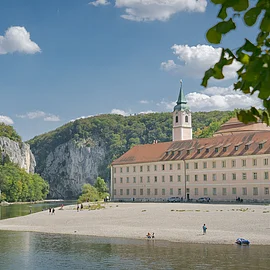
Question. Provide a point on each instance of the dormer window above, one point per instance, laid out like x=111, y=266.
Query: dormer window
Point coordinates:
x=188, y=152
x=199, y=151
x=216, y=149
x=224, y=149
x=179, y=152
x=173, y=153
x=236, y=148
x=207, y=150
x=167, y=153
x=260, y=145
x=246, y=147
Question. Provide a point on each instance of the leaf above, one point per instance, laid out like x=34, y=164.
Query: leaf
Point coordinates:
x=243, y=58
x=218, y=1
x=222, y=13
x=251, y=16
x=240, y=5
x=207, y=75
x=225, y=27
x=213, y=36
x=265, y=24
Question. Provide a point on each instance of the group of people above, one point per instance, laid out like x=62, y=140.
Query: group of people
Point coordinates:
x=51, y=211
x=149, y=235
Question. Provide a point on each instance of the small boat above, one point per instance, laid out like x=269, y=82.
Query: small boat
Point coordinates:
x=242, y=241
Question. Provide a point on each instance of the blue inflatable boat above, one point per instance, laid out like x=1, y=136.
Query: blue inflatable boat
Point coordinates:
x=242, y=241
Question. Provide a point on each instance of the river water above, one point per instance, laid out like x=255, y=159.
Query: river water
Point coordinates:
x=38, y=251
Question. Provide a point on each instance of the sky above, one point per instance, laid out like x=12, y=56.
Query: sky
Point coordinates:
x=61, y=60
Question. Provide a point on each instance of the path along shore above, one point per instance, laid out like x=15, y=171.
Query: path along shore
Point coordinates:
x=178, y=222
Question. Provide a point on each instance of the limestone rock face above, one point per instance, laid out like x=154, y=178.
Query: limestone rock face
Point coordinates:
x=18, y=153
x=70, y=165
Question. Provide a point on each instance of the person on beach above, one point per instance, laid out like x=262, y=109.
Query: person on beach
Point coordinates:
x=81, y=206
x=78, y=208
x=204, y=229
x=50, y=210
x=53, y=211
x=153, y=235
x=148, y=235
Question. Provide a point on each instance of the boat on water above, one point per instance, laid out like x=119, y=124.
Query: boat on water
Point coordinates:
x=242, y=241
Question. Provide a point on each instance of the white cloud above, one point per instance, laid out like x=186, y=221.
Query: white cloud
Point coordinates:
x=147, y=112
x=17, y=39
x=121, y=112
x=144, y=101
x=216, y=98
x=195, y=60
x=6, y=120
x=162, y=10
x=40, y=114
x=82, y=117
x=100, y=3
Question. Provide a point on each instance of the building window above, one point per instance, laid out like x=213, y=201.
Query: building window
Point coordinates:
x=121, y=191
x=127, y=192
x=187, y=166
x=176, y=119
x=121, y=180
x=236, y=147
x=156, y=191
x=198, y=151
x=141, y=168
x=163, y=167
x=179, y=191
x=114, y=192
x=155, y=179
x=244, y=191
x=178, y=166
x=134, y=169
x=134, y=179
x=234, y=176
x=216, y=149
x=179, y=178
x=141, y=192
x=127, y=169
x=195, y=177
x=114, y=170
x=244, y=163
x=233, y=163
x=134, y=192
x=188, y=151
x=244, y=176
x=187, y=190
x=266, y=175
x=214, y=164
x=224, y=164
x=121, y=170
x=187, y=178
x=148, y=179
x=186, y=119
x=214, y=191
x=234, y=191
x=224, y=191
x=148, y=168
x=171, y=191
x=205, y=192
x=224, y=149
x=141, y=179
x=255, y=176
x=171, y=167
x=163, y=191
x=266, y=191
x=196, y=165
x=163, y=178
x=205, y=177
x=205, y=165
x=196, y=191
x=255, y=191
x=214, y=177
x=127, y=179
x=254, y=162
x=260, y=145
x=265, y=161
x=114, y=180
x=207, y=150
x=171, y=178
x=223, y=176
x=155, y=167
x=246, y=147
x=148, y=191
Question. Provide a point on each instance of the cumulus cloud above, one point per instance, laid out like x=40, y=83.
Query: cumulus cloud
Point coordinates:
x=144, y=101
x=40, y=115
x=195, y=60
x=100, y=3
x=17, y=39
x=216, y=98
x=121, y=112
x=6, y=120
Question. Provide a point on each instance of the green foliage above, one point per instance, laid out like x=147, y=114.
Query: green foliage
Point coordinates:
x=17, y=185
x=254, y=73
x=101, y=187
x=9, y=132
x=117, y=134
x=89, y=194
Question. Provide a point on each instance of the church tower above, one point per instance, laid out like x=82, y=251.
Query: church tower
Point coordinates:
x=182, y=126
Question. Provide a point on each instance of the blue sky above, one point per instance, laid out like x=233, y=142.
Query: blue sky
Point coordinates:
x=65, y=59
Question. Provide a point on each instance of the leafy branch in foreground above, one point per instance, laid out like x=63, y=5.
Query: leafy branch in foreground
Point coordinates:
x=254, y=74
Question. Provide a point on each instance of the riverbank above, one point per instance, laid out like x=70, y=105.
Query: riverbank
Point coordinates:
x=178, y=222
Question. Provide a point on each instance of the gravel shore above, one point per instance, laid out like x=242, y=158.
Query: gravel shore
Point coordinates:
x=178, y=222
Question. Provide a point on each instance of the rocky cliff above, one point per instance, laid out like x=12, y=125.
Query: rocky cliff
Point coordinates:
x=70, y=165
x=18, y=153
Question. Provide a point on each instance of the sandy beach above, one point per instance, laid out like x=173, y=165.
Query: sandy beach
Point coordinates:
x=178, y=222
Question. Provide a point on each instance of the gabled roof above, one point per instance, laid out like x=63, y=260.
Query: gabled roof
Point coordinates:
x=170, y=150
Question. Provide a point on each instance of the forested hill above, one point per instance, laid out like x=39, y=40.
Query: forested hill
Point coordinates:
x=119, y=133
x=9, y=132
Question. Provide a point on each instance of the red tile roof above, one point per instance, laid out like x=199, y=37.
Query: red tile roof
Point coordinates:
x=178, y=150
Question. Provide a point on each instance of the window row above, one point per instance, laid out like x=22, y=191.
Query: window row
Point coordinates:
x=195, y=178
x=205, y=192
x=196, y=165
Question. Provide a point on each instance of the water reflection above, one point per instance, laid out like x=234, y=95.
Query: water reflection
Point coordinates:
x=43, y=251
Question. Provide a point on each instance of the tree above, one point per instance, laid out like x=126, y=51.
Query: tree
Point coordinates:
x=89, y=194
x=254, y=57
x=101, y=187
